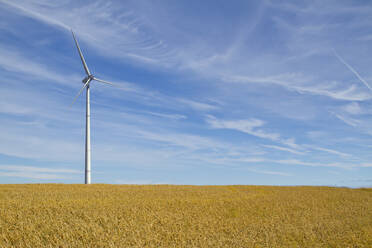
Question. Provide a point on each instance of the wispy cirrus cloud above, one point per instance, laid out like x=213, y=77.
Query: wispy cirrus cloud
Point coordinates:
x=113, y=32
x=350, y=165
x=141, y=43
x=353, y=108
x=286, y=149
x=35, y=14
x=352, y=70
x=327, y=150
x=15, y=62
x=269, y=172
x=304, y=85
x=256, y=161
x=249, y=126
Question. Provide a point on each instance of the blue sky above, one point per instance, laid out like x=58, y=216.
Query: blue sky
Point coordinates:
x=213, y=92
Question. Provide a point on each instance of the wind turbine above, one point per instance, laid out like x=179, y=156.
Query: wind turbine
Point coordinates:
x=86, y=81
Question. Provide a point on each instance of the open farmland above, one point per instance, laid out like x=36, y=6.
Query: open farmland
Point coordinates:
x=49, y=215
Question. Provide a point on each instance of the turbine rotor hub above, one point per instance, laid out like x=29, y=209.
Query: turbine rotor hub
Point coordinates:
x=91, y=77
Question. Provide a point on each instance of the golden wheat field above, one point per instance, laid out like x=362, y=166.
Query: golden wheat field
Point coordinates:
x=48, y=215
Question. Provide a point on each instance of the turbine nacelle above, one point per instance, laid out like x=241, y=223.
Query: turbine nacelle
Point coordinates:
x=90, y=77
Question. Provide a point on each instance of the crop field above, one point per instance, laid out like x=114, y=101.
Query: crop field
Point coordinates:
x=55, y=215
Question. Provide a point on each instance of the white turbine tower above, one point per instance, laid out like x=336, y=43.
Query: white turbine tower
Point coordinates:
x=86, y=81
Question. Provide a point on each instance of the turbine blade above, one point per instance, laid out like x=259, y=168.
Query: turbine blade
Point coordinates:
x=352, y=70
x=81, y=90
x=105, y=82
x=102, y=81
x=116, y=85
x=81, y=55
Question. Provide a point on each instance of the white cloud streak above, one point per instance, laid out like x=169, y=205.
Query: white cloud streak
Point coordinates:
x=33, y=175
x=298, y=83
x=353, y=108
x=25, y=168
x=36, y=15
x=286, y=149
x=269, y=172
x=36, y=172
x=331, y=151
x=352, y=70
x=349, y=121
x=249, y=126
